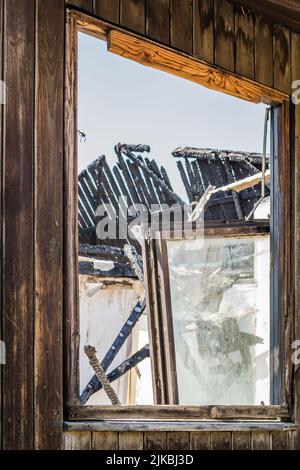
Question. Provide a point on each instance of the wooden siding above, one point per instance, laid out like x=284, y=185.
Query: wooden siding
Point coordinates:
x=31, y=133
x=219, y=32
x=181, y=440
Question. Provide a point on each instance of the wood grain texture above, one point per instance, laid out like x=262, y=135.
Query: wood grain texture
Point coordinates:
x=203, y=30
x=178, y=440
x=147, y=412
x=17, y=322
x=203, y=426
x=244, y=42
x=133, y=15
x=224, y=34
x=49, y=218
x=221, y=441
x=146, y=53
x=131, y=441
x=77, y=441
x=158, y=20
x=279, y=440
x=105, y=441
x=281, y=57
x=260, y=440
x=155, y=440
x=200, y=440
x=241, y=440
x=295, y=48
x=108, y=10
x=182, y=25
x=284, y=12
x=291, y=441
x=263, y=51
x=85, y=5
x=71, y=327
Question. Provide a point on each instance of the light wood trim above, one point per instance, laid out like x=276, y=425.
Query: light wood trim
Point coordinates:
x=162, y=58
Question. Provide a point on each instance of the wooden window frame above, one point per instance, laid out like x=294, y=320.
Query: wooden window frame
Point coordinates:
x=154, y=55
x=157, y=280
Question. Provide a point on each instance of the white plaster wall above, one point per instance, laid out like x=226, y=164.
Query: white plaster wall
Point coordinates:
x=103, y=311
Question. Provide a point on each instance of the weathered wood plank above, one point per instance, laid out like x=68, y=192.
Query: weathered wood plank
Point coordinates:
x=158, y=20
x=244, y=42
x=200, y=440
x=295, y=48
x=263, y=51
x=178, y=440
x=281, y=57
x=260, y=440
x=241, y=440
x=85, y=5
x=159, y=57
x=155, y=440
x=71, y=223
x=221, y=440
x=279, y=440
x=291, y=440
x=224, y=34
x=109, y=10
x=284, y=12
x=131, y=441
x=48, y=250
x=133, y=15
x=77, y=440
x=177, y=412
x=182, y=25
x=203, y=30
x=17, y=321
x=199, y=427
x=105, y=441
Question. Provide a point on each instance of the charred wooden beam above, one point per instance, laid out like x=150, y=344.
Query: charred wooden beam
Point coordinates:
x=122, y=185
x=152, y=189
x=204, y=153
x=140, y=163
x=235, y=195
x=117, y=270
x=128, y=179
x=102, y=251
x=136, y=261
x=185, y=181
x=127, y=365
x=154, y=167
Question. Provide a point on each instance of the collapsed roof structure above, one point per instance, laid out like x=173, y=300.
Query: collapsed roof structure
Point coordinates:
x=140, y=180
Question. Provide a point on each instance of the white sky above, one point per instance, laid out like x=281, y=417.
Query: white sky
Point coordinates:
x=123, y=101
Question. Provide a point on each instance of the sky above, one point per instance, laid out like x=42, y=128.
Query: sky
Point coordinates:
x=120, y=100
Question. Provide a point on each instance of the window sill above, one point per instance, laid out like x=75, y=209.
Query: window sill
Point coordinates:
x=154, y=425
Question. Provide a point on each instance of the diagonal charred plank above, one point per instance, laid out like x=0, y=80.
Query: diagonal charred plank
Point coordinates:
x=93, y=385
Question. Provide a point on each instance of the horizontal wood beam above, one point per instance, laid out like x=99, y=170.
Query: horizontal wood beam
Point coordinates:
x=161, y=426
x=181, y=65
x=178, y=412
